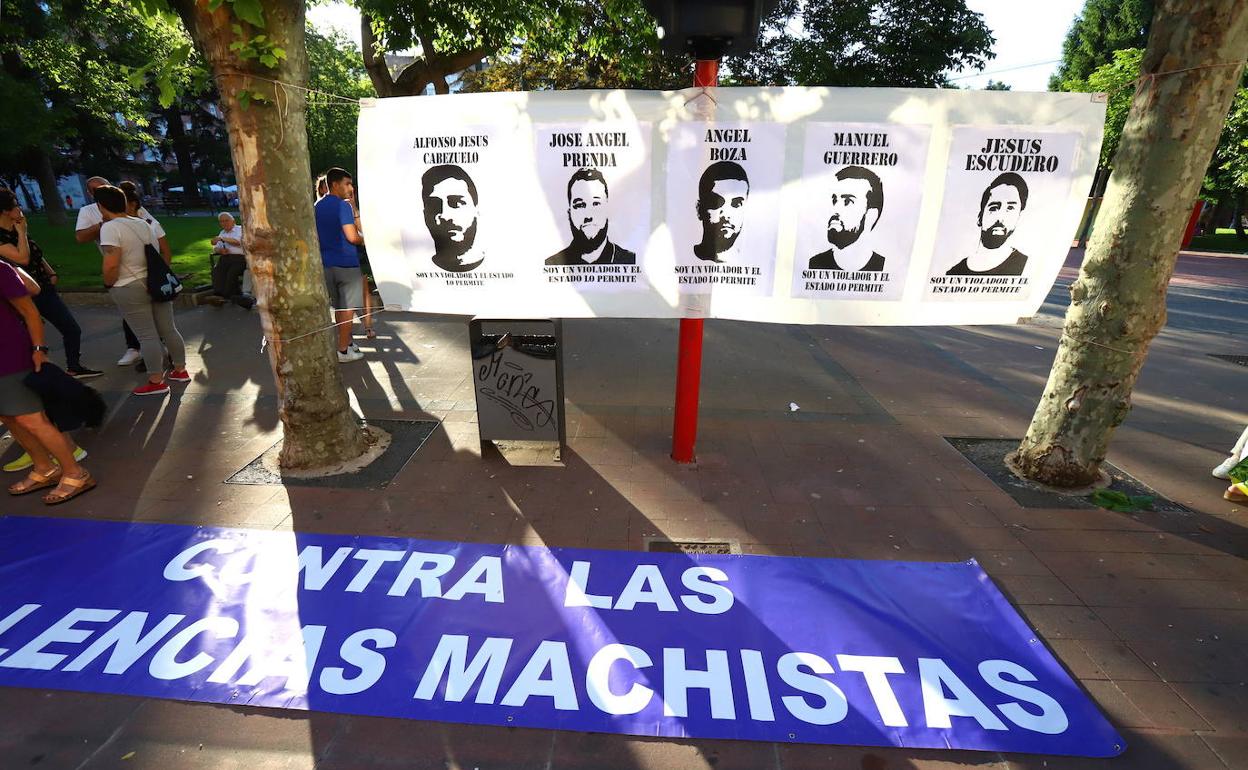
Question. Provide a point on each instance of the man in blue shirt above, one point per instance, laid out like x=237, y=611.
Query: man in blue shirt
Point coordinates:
x=338, y=229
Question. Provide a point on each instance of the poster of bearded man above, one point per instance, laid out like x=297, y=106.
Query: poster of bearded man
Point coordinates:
x=595, y=178
x=858, y=209
x=723, y=194
x=1004, y=189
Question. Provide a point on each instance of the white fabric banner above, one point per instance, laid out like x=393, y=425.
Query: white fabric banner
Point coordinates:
x=788, y=205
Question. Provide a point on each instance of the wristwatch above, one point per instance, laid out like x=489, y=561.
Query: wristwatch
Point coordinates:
x=38, y=348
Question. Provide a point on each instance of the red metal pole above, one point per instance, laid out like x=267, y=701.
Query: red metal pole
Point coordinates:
x=689, y=355
x=1191, y=224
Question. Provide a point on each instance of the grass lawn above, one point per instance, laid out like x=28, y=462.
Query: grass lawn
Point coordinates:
x=1224, y=240
x=79, y=264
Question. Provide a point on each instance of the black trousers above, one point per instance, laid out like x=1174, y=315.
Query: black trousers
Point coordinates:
x=227, y=275
x=55, y=312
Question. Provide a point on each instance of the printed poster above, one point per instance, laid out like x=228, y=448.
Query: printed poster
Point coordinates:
x=462, y=234
x=593, y=176
x=859, y=209
x=1004, y=190
x=723, y=192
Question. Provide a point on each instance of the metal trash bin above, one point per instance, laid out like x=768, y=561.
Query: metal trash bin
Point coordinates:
x=517, y=369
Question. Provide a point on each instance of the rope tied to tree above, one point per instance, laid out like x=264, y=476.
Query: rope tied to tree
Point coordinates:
x=1073, y=338
x=1152, y=76
x=264, y=340
x=332, y=99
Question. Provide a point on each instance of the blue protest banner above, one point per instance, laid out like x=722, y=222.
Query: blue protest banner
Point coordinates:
x=872, y=653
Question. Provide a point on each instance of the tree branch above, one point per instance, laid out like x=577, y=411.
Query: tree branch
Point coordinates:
x=378, y=72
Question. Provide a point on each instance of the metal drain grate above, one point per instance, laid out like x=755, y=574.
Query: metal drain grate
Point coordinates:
x=693, y=547
x=1241, y=360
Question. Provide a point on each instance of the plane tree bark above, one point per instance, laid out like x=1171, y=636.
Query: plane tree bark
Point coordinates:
x=268, y=143
x=1189, y=75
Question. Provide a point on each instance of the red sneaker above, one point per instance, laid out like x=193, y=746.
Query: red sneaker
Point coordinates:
x=151, y=389
x=179, y=375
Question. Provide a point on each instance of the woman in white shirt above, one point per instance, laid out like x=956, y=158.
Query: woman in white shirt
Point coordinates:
x=123, y=238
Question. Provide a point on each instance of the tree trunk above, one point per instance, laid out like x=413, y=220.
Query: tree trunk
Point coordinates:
x=1118, y=302
x=53, y=206
x=182, y=152
x=268, y=142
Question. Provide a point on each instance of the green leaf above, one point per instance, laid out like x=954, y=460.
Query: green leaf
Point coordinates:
x=244, y=99
x=1114, y=500
x=249, y=11
x=268, y=60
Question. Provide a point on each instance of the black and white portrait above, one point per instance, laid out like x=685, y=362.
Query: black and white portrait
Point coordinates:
x=449, y=198
x=855, y=200
x=589, y=224
x=723, y=191
x=1000, y=208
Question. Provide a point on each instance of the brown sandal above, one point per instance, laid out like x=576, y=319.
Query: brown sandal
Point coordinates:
x=36, y=481
x=77, y=486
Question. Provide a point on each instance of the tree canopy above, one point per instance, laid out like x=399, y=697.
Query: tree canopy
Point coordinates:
x=335, y=66
x=63, y=77
x=902, y=43
x=1103, y=27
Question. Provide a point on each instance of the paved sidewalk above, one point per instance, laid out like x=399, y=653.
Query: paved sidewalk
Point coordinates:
x=1149, y=611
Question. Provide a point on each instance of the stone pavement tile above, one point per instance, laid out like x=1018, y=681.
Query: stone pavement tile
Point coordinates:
x=50, y=729
x=959, y=511
x=1062, y=622
x=1193, y=661
x=815, y=757
x=997, y=562
x=1111, y=542
x=1077, y=519
x=169, y=734
x=211, y=514
x=602, y=751
x=1201, y=625
x=1101, y=659
x=368, y=742
x=1069, y=564
x=1035, y=589
x=961, y=538
x=1161, y=705
x=1146, y=750
x=1223, y=706
x=1134, y=592
x=1231, y=749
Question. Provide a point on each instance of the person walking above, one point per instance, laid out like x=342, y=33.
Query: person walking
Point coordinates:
x=124, y=239
x=20, y=250
x=338, y=229
x=21, y=410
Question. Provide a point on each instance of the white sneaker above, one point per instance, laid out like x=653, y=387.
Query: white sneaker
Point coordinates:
x=351, y=355
x=1223, y=471
x=356, y=348
x=131, y=355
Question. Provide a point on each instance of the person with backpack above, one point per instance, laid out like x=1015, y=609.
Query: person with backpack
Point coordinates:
x=125, y=241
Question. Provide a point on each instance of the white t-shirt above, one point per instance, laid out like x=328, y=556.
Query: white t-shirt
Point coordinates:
x=130, y=234
x=235, y=232
x=90, y=216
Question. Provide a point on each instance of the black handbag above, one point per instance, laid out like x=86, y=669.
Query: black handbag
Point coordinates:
x=162, y=284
